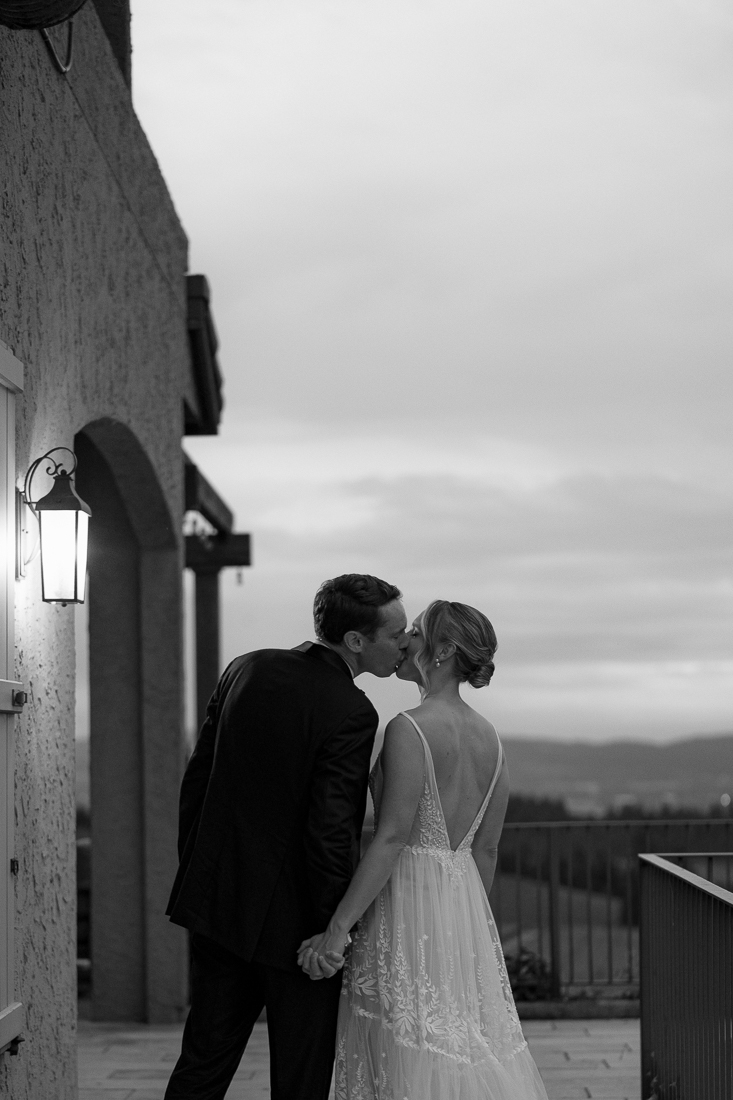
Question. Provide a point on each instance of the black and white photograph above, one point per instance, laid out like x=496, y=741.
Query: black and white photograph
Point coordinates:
x=366, y=551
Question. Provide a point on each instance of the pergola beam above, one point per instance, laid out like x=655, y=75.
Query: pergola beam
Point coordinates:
x=202, y=497
x=205, y=555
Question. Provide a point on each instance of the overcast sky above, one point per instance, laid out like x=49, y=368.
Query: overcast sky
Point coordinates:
x=471, y=267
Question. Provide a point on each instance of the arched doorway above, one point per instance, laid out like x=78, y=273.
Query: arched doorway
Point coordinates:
x=139, y=963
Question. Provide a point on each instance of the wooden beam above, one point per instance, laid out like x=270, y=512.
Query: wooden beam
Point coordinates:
x=203, y=497
x=222, y=552
x=204, y=344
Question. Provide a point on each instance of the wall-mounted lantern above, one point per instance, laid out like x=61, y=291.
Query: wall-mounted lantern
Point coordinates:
x=64, y=531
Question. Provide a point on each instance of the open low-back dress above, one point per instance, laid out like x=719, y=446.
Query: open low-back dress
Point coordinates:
x=426, y=1010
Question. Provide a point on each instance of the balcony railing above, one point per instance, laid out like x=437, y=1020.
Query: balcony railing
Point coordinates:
x=566, y=901
x=687, y=976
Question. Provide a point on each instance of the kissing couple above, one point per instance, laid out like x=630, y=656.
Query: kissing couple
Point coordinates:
x=391, y=964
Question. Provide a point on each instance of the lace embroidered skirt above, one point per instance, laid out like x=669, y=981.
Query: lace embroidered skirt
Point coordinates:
x=426, y=1010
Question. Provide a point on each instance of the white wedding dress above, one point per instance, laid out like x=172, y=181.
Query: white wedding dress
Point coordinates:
x=426, y=1011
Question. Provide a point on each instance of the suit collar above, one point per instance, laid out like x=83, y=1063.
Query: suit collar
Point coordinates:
x=323, y=653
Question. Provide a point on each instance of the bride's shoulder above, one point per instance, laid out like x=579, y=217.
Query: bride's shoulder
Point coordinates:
x=402, y=734
x=403, y=720
x=486, y=726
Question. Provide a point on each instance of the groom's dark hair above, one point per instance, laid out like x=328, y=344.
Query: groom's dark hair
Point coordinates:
x=351, y=602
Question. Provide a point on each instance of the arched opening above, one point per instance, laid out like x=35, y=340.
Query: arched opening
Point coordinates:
x=138, y=960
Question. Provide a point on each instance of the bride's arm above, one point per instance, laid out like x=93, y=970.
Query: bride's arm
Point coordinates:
x=486, y=842
x=403, y=769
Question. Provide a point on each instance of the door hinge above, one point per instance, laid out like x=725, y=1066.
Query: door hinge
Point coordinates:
x=13, y=697
x=14, y=866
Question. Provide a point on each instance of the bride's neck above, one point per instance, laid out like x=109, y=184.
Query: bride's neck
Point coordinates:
x=441, y=689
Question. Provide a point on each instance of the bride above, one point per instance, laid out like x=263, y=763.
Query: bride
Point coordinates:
x=426, y=1009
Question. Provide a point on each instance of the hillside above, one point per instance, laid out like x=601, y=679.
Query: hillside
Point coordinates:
x=591, y=778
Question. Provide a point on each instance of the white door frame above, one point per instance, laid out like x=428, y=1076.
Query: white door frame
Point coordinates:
x=11, y=383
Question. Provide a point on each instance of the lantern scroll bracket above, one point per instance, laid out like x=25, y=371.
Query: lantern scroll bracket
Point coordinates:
x=53, y=470
x=62, y=66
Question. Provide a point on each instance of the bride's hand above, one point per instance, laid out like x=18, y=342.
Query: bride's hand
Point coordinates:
x=326, y=944
x=322, y=956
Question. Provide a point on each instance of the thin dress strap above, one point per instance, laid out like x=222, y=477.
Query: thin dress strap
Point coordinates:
x=468, y=838
x=421, y=735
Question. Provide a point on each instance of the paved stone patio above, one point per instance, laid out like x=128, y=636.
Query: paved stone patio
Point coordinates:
x=578, y=1060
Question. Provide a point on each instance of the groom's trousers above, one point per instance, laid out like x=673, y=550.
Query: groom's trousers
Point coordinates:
x=227, y=996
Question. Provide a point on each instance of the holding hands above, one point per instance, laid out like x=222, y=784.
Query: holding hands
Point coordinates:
x=323, y=956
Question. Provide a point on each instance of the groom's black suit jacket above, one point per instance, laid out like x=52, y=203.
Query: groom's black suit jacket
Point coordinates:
x=272, y=803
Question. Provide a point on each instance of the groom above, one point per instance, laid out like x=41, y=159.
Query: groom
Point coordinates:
x=270, y=818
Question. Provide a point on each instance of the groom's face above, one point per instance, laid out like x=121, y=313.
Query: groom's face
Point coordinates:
x=382, y=654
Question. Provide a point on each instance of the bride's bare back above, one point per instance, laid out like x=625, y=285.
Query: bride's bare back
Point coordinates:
x=465, y=751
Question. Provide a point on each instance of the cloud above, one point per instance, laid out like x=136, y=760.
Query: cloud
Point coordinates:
x=519, y=210
x=605, y=700
x=571, y=567
x=472, y=268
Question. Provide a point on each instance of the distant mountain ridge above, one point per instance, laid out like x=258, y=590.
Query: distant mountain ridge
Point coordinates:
x=592, y=778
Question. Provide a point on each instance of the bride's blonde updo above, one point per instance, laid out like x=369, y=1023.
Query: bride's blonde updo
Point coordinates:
x=470, y=632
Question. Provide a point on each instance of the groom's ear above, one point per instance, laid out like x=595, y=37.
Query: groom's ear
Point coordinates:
x=354, y=641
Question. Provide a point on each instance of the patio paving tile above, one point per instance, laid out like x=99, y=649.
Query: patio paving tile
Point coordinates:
x=578, y=1060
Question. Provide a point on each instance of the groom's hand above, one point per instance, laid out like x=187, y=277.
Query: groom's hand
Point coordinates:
x=317, y=960
x=306, y=949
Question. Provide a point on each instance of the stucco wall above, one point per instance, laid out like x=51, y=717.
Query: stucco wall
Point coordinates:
x=92, y=301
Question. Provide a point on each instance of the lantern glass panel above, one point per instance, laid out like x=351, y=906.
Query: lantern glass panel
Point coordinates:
x=58, y=554
x=82, y=542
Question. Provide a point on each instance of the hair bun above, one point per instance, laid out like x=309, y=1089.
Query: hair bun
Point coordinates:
x=481, y=674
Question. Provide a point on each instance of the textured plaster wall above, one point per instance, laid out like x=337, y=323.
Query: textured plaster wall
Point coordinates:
x=92, y=301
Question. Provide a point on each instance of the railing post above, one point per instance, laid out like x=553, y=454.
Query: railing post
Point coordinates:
x=554, y=912
x=646, y=945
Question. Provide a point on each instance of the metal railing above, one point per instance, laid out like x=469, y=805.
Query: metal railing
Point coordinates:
x=686, y=977
x=566, y=900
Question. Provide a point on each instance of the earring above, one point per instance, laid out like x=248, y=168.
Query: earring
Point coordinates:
x=437, y=662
